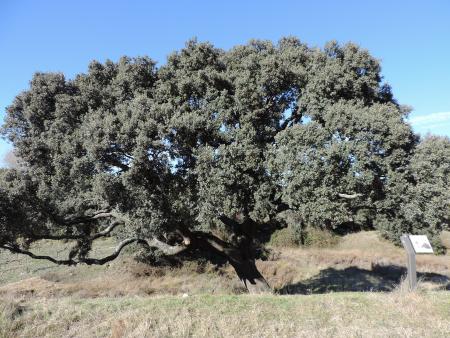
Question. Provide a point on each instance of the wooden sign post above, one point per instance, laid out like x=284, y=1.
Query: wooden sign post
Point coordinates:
x=414, y=244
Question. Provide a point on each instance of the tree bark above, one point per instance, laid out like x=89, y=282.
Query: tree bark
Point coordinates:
x=249, y=275
x=239, y=256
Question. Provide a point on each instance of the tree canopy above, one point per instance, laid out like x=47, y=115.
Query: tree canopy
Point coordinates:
x=205, y=153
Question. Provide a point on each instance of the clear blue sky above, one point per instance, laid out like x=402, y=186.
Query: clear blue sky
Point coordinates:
x=412, y=38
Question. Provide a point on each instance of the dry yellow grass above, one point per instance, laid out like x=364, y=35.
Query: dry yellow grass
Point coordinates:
x=126, y=278
x=130, y=299
x=360, y=262
x=420, y=314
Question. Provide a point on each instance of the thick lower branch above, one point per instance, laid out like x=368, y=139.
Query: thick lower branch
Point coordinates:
x=114, y=255
x=17, y=250
x=240, y=257
x=106, y=231
x=105, y=213
x=230, y=223
x=119, y=220
x=89, y=261
x=95, y=236
x=154, y=242
x=168, y=250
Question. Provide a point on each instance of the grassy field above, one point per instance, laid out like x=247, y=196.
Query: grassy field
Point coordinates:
x=353, y=289
x=328, y=315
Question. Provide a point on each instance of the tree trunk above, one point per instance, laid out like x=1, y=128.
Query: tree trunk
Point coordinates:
x=249, y=275
x=239, y=256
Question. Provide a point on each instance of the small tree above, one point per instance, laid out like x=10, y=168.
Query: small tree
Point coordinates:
x=205, y=153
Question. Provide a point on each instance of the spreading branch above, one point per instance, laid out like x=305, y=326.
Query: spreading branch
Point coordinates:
x=18, y=250
x=115, y=162
x=104, y=213
x=119, y=220
x=106, y=231
x=280, y=206
x=230, y=223
x=154, y=242
x=208, y=241
x=114, y=255
x=90, y=261
x=168, y=250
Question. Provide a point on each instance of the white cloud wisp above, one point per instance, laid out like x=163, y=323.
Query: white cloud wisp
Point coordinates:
x=435, y=123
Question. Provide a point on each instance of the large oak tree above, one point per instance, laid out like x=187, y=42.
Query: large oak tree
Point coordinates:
x=205, y=153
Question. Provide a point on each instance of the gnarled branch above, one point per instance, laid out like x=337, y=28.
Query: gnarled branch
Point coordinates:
x=168, y=250
x=96, y=216
x=230, y=223
x=18, y=250
x=106, y=231
x=89, y=261
x=114, y=255
x=154, y=242
x=104, y=213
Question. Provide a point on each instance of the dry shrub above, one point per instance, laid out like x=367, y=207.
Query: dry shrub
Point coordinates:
x=290, y=237
x=284, y=238
x=278, y=274
x=142, y=270
x=445, y=238
x=320, y=238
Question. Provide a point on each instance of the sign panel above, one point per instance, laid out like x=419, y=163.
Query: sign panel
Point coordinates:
x=421, y=244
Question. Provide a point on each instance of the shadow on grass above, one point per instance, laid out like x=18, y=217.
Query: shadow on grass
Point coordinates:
x=382, y=278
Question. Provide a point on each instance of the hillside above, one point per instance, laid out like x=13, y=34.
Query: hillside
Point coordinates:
x=130, y=299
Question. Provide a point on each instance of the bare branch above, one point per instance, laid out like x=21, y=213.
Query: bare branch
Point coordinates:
x=89, y=261
x=230, y=223
x=117, y=163
x=108, y=214
x=350, y=197
x=96, y=216
x=16, y=249
x=210, y=241
x=186, y=239
x=114, y=255
x=167, y=249
x=84, y=219
x=281, y=206
x=106, y=231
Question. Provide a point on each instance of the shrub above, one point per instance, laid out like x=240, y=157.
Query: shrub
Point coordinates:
x=310, y=237
x=286, y=237
x=320, y=238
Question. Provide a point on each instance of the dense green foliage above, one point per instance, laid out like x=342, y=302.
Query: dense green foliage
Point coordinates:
x=218, y=142
x=428, y=207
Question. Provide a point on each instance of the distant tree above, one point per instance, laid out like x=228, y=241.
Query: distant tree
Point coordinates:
x=427, y=206
x=205, y=154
